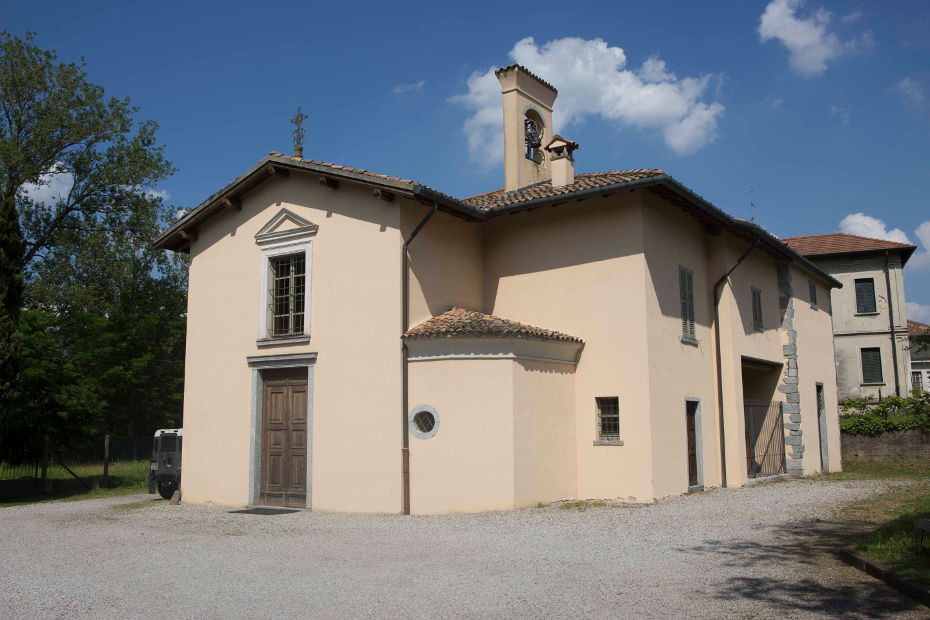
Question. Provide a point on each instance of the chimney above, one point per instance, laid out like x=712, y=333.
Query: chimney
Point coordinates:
x=562, y=160
x=528, y=104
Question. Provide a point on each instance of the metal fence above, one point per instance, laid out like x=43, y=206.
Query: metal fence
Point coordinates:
x=765, y=438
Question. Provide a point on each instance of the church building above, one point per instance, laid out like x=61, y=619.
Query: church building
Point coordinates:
x=364, y=343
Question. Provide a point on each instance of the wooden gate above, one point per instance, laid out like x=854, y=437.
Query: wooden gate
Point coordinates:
x=284, y=438
x=765, y=438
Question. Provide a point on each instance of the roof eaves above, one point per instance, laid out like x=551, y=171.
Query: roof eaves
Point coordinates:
x=755, y=229
x=576, y=195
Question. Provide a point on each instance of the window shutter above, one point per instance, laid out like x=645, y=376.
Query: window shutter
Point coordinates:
x=813, y=292
x=686, y=289
x=757, y=308
x=865, y=295
x=872, y=365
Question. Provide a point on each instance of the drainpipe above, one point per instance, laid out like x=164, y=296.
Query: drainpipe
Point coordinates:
x=717, y=292
x=894, y=344
x=405, y=325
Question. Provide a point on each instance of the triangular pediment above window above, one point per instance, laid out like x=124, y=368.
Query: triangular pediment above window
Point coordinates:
x=285, y=226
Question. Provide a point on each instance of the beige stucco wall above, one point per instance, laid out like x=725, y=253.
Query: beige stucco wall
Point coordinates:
x=544, y=432
x=469, y=464
x=678, y=370
x=856, y=331
x=815, y=365
x=446, y=264
x=579, y=269
x=354, y=329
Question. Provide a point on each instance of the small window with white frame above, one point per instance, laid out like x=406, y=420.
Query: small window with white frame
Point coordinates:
x=608, y=418
x=917, y=381
x=284, y=302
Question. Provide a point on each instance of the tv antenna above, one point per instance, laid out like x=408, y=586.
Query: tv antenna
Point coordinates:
x=752, y=205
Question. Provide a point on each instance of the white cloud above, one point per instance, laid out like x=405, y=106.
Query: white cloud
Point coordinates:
x=918, y=312
x=910, y=92
x=868, y=226
x=920, y=261
x=810, y=43
x=157, y=193
x=53, y=185
x=400, y=89
x=843, y=113
x=593, y=80
x=777, y=103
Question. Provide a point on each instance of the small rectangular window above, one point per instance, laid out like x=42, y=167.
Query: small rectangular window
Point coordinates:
x=686, y=289
x=813, y=292
x=865, y=295
x=872, y=365
x=286, y=295
x=608, y=418
x=917, y=380
x=757, y=309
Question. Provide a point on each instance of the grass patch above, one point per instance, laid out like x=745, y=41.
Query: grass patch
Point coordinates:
x=125, y=478
x=873, y=471
x=895, y=543
x=582, y=505
x=126, y=507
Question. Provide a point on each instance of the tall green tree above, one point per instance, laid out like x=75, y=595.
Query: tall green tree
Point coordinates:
x=72, y=162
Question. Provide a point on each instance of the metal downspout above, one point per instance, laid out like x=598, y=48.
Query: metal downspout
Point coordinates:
x=894, y=343
x=405, y=325
x=717, y=291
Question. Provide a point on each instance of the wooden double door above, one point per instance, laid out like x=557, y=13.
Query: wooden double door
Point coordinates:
x=284, y=438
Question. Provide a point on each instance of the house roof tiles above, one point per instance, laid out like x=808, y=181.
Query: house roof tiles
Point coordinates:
x=585, y=180
x=460, y=322
x=843, y=243
x=917, y=329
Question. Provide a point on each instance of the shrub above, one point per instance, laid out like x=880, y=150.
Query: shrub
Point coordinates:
x=861, y=416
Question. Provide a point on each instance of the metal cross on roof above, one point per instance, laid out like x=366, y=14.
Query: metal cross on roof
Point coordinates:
x=299, y=132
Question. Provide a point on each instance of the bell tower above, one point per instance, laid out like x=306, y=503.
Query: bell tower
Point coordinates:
x=528, y=104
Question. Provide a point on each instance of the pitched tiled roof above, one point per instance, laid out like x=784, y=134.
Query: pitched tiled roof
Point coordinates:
x=917, y=329
x=459, y=322
x=337, y=167
x=585, y=180
x=842, y=243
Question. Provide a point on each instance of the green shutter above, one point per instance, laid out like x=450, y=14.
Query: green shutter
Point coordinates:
x=757, y=309
x=686, y=290
x=872, y=365
x=865, y=295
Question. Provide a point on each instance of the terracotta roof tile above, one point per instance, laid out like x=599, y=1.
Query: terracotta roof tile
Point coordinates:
x=841, y=243
x=459, y=322
x=497, y=73
x=585, y=180
x=917, y=329
x=341, y=168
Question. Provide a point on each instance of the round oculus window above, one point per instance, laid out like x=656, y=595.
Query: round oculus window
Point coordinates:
x=423, y=422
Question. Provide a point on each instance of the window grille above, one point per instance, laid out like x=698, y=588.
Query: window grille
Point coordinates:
x=917, y=380
x=286, y=295
x=608, y=417
x=757, y=309
x=865, y=295
x=813, y=292
x=686, y=288
x=872, y=365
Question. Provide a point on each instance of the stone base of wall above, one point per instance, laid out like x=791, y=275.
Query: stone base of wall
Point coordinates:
x=887, y=447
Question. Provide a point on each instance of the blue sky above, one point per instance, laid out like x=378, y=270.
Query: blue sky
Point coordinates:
x=822, y=106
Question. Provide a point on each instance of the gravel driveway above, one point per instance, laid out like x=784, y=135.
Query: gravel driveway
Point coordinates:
x=763, y=551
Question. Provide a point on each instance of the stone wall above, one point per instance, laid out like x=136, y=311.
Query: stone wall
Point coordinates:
x=898, y=446
x=794, y=440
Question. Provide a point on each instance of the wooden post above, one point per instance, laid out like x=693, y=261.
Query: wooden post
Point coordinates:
x=106, y=461
x=45, y=488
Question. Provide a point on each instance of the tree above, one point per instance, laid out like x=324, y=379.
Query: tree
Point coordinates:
x=57, y=130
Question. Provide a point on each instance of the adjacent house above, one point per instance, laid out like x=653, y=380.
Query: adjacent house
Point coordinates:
x=919, y=349
x=869, y=316
x=363, y=342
